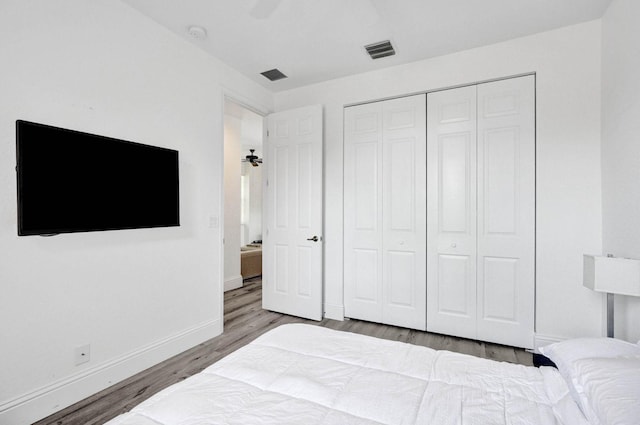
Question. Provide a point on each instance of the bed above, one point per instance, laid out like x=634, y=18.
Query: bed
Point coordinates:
x=304, y=374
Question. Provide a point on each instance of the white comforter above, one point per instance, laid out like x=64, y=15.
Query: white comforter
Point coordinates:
x=302, y=374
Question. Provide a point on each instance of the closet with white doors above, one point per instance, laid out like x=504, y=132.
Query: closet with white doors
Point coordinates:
x=481, y=211
x=385, y=212
x=439, y=211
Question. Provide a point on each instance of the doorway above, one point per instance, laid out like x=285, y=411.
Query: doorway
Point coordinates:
x=290, y=205
x=243, y=144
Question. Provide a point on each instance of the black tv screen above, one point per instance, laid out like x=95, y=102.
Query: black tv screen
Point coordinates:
x=70, y=181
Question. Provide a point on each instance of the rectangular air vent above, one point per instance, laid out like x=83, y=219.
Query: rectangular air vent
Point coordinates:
x=380, y=49
x=274, y=74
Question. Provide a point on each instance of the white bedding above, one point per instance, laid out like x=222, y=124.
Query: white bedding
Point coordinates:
x=303, y=374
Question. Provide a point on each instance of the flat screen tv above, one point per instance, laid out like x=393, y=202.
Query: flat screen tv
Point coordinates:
x=69, y=181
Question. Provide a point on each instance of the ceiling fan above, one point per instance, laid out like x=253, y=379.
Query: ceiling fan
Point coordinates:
x=252, y=159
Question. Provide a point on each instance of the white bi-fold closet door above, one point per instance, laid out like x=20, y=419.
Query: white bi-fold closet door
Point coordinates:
x=385, y=212
x=481, y=211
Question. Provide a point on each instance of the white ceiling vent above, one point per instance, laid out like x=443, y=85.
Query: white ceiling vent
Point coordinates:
x=380, y=49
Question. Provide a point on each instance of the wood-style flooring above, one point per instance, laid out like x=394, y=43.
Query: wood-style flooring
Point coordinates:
x=245, y=320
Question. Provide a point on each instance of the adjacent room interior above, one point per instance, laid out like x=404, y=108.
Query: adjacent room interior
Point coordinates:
x=243, y=133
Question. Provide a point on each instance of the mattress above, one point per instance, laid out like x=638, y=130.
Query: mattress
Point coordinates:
x=304, y=374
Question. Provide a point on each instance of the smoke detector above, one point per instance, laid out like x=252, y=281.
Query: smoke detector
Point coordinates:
x=197, y=32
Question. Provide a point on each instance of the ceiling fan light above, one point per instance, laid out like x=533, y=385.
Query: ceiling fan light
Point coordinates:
x=252, y=158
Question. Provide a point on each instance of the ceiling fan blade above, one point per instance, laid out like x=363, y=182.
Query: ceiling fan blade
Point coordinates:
x=264, y=8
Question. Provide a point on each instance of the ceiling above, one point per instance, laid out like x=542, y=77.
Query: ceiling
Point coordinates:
x=317, y=40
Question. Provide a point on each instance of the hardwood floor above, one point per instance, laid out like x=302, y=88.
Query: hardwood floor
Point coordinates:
x=245, y=320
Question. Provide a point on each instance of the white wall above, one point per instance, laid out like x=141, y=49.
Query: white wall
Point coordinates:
x=567, y=66
x=137, y=296
x=621, y=147
x=232, y=204
x=255, y=203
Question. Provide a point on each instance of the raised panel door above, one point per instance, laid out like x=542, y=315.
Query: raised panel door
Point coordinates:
x=404, y=212
x=384, y=212
x=363, y=212
x=292, y=264
x=506, y=211
x=451, y=212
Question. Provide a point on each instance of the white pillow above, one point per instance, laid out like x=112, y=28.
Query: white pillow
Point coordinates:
x=564, y=354
x=583, y=348
x=610, y=389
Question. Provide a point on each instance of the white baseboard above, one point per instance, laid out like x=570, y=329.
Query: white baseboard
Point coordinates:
x=51, y=398
x=542, y=340
x=334, y=311
x=234, y=282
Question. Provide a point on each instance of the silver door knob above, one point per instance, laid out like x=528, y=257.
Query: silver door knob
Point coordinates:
x=315, y=239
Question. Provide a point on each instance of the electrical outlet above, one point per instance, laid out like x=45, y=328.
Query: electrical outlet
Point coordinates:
x=83, y=354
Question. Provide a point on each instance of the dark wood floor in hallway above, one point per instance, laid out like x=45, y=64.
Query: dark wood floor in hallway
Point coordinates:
x=245, y=320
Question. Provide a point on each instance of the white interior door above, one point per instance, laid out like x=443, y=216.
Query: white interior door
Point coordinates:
x=506, y=211
x=363, y=212
x=404, y=204
x=481, y=211
x=451, y=212
x=385, y=212
x=292, y=224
